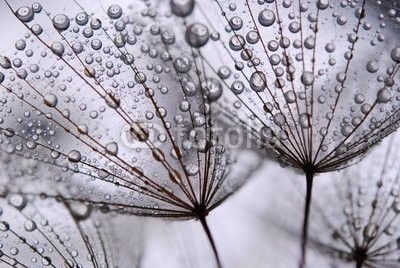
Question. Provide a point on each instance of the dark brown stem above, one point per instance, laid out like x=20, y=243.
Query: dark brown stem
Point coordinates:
x=359, y=263
x=211, y=240
x=360, y=256
x=309, y=177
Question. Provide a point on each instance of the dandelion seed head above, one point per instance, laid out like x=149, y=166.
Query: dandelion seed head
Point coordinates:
x=328, y=69
x=363, y=228
x=121, y=105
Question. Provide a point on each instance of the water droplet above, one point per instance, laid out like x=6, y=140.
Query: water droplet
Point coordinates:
x=370, y=231
x=252, y=37
x=266, y=133
x=46, y=261
x=5, y=62
x=50, y=100
x=25, y=14
x=114, y=11
x=304, y=120
x=266, y=17
x=279, y=119
x=4, y=226
x=140, y=78
x=330, y=47
x=372, y=66
x=30, y=225
x=192, y=169
x=236, y=42
x=74, y=156
x=384, y=95
x=359, y=98
x=57, y=48
x=322, y=4
x=294, y=27
x=197, y=34
x=95, y=24
x=18, y=201
x=224, y=72
x=182, y=8
x=77, y=47
x=341, y=20
x=36, y=29
x=31, y=145
x=182, y=64
x=309, y=42
x=103, y=173
x=236, y=23
x=96, y=44
x=112, y=148
x=79, y=210
x=258, y=81
x=396, y=207
x=36, y=7
x=341, y=77
x=61, y=22
x=395, y=54
x=347, y=129
x=290, y=96
x=168, y=37
x=20, y=44
x=190, y=89
x=237, y=87
x=82, y=18
x=307, y=78
x=214, y=89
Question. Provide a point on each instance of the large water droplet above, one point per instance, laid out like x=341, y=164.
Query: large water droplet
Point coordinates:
x=182, y=64
x=258, y=81
x=237, y=87
x=112, y=148
x=58, y=48
x=290, y=96
x=25, y=14
x=18, y=201
x=30, y=226
x=322, y=4
x=82, y=18
x=266, y=133
x=395, y=54
x=279, y=119
x=372, y=66
x=61, y=22
x=304, y=120
x=114, y=11
x=214, y=89
x=74, y=156
x=266, y=17
x=79, y=210
x=384, y=95
x=197, y=34
x=192, y=169
x=50, y=100
x=307, y=78
x=182, y=8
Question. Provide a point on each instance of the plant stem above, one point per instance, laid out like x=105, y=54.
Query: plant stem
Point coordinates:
x=359, y=263
x=309, y=178
x=211, y=240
